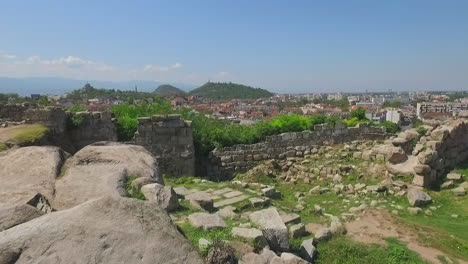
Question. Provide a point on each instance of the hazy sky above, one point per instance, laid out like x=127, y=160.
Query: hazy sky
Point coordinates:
x=297, y=46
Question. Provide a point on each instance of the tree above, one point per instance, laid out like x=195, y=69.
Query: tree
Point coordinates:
x=359, y=113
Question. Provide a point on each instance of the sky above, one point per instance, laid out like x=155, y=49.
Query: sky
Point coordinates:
x=283, y=46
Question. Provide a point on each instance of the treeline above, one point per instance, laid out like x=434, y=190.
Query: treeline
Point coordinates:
x=89, y=92
x=227, y=91
x=211, y=133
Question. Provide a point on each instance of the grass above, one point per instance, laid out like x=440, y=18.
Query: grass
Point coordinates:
x=441, y=230
x=133, y=192
x=343, y=250
x=3, y=147
x=194, y=234
x=30, y=134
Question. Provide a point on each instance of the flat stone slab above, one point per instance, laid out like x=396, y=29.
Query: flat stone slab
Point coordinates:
x=201, y=200
x=221, y=191
x=232, y=194
x=230, y=201
x=291, y=218
x=252, y=234
x=181, y=191
x=206, y=221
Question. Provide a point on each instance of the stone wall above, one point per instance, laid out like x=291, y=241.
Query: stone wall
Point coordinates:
x=223, y=163
x=94, y=127
x=170, y=139
x=13, y=112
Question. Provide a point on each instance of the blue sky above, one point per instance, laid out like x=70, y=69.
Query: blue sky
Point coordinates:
x=283, y=46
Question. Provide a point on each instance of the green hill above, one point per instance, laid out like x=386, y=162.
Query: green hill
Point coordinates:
x=167, y=89
x=226, y=91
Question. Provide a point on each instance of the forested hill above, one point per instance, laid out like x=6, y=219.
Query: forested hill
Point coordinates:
x=226, y=91
x=167, y=89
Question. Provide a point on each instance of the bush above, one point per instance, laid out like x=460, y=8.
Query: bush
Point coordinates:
x=421, y=131
x=359, y=113
x=391, y=127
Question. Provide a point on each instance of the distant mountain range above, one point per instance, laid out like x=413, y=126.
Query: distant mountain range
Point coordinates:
x=51, y=85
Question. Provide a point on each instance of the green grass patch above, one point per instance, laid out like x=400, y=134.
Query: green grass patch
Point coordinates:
x=3, y=147
x=194, y=234
x=132, y=191
x=343, y=250
x=30, y=134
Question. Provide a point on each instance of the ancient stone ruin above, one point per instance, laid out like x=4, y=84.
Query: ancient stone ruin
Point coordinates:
x=240, y=158
x=169, y=138
x=428, y=156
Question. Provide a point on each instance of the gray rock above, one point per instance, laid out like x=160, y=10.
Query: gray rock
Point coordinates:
x=447, y=185
x=206, y=221
x=253, y=258
x=290, y=218
x=289, y=258
x=308, y=251
x=273, y=228
x=204, y=244
x=181, y=192
x=459, y=191
x=297, y=230
x=323, y=234
x=201, y=200
x=102, y=169
x=164, y=196
x=250, y=234
x=414, y=210
x=454, y=176
x=12, y=215
x=28, y=171
x=259, y=202
x=418, y=198
x=336, y=227
x=104, y=230
x=140, y=182
x=228, y=212
x=271, y=193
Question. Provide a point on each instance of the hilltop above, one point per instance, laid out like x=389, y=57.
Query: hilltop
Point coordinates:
x=167, y=89
x=225, y=91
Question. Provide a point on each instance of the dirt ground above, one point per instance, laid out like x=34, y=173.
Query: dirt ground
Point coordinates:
x=8, y=133
x=374, y=226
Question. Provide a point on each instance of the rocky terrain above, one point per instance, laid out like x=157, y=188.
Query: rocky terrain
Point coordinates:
x=400, y=200
x=61, y=209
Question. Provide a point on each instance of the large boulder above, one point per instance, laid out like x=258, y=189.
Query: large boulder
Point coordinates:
x=27, y=183
x=272, y=226
x=24, y=172
x=105, y=230
x=418, y=198
x=102, y=169
x=12, y=215
x=164, y=196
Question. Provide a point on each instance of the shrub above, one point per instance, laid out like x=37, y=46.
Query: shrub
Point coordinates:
x=391, y=127
x=421, y=131
x=359, y=113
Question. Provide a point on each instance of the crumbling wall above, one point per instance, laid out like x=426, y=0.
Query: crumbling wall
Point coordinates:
x=223, y=163
x=169, y=138
x=93, y=127
x=442, y=149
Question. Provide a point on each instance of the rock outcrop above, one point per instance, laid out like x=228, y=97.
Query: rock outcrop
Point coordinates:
x=28, y=177
x=105, y=230
x=101, y=170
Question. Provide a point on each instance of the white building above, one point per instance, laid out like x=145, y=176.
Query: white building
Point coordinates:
x=393, y=116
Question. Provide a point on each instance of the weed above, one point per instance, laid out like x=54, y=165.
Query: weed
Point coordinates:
x=132, y=191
